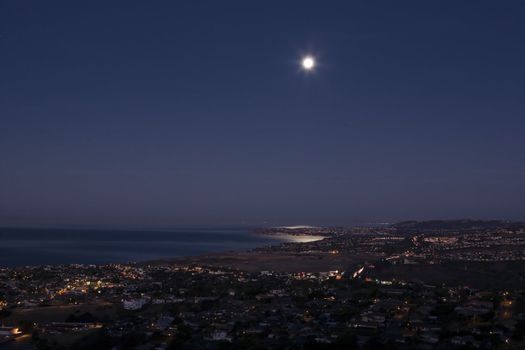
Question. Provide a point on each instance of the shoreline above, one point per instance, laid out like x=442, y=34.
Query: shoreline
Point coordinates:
x=236, y=247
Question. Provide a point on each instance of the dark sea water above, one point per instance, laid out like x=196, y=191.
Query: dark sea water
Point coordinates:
x=21, y=247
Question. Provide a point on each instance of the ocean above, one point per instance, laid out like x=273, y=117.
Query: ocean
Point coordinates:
x=24, y=247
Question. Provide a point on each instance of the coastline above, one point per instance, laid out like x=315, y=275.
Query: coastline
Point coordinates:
x=294, y=238
x=34, y=247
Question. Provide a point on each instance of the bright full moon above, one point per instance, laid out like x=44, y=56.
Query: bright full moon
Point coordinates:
x=308, y=63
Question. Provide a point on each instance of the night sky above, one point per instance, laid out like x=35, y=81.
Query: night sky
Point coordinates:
x=159, y=114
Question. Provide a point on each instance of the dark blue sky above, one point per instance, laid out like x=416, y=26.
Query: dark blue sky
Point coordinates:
x=196, y=113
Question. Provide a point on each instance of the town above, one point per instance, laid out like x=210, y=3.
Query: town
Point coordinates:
x=403, y=286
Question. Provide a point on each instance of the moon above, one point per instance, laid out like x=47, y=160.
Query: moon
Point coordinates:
x=308, y=63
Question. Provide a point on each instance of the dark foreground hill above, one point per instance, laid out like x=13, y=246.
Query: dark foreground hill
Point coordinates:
x=462, y=224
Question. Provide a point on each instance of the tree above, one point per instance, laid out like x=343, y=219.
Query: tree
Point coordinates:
x=96, y=340
x=4, y=313
x=26, y=326
x=346, y=341
x=35, y=336
x=375, y=343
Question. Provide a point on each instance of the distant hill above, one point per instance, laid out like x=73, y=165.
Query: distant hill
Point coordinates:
x=463, y=224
